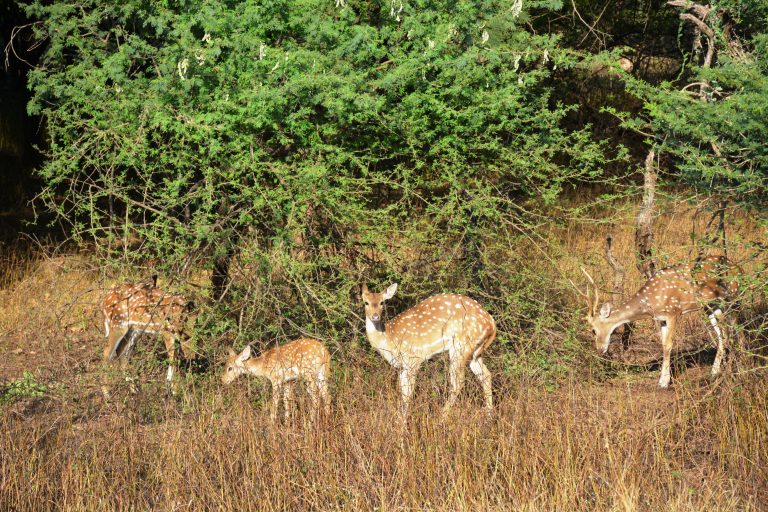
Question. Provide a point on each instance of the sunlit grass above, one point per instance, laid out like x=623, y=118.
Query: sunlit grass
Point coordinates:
x=585, y=447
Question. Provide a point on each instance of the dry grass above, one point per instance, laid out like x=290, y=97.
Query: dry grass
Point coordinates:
x=49, y=295
x=590, y=444
x=622, y=446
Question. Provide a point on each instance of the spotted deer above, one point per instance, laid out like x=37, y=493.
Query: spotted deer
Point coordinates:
x=131, y=310
x=303, y=359
x=446, y=322
x=671, y=293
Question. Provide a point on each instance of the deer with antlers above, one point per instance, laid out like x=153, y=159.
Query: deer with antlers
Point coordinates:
x=304, y=359
x=446, y=322
x=669, y=294
x=133, y=309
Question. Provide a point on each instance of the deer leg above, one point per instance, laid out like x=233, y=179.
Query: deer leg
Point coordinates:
x=713, y=316
x=276, y=392
x=484, y=377
x=287, y=399
x=170, y=347
x=322, y=390
x=456, y=372
x=313, y=390
x=186, y=350
x=114, y=340
x=125, y=353
x=667, y=331
x=407, y=385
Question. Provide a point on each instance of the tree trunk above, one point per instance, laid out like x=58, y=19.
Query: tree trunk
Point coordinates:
x=220, y=274
x=222, y=262
x=472, y=251
x=618, y=286
x=644, y=228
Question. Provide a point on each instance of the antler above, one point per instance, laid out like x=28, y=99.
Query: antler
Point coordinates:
x=579, y=290
x=589, y=301
x=592, y=305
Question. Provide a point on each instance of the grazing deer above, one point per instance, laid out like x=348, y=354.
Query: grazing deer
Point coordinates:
x=131, y=310
x=305, y=359
x=442, y=323
x=671, y=293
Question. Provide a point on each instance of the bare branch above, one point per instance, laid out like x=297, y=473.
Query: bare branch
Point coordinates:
x=9, y=48
x=599, y=35
x=699, y=24
x=702, y=11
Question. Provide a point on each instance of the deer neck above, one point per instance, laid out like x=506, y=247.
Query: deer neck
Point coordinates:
x=377, y=336
x=255, y=366
x=630, y=311
x=620, y=318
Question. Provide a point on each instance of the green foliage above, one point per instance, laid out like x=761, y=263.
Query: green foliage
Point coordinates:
x=158, y=113
x=713, y=123
x=24, y=387
x=317, y=143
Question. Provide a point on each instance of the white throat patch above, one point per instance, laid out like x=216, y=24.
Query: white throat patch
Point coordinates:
x=370, y=326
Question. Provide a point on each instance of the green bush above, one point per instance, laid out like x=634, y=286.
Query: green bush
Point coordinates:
x=308, y=146
x=24, y=387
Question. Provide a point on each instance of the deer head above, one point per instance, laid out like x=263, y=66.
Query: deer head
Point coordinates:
x=602, y=325
x=235, y=365
x=374, y=302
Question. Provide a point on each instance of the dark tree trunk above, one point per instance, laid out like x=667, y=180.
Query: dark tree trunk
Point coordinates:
x=472, y=251
x=220, y=274
x=222, y=262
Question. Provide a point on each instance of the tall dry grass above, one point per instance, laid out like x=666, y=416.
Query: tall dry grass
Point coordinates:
x=585, y=447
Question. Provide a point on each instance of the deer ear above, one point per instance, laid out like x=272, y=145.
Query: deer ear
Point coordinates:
x=231, y=352
x=390, y=292
x=605, y=310
x=244, y=355
x=364, y=290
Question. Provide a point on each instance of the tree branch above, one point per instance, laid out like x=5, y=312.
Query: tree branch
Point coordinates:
x=699, y=24
x=702, y=11
x=644, y=228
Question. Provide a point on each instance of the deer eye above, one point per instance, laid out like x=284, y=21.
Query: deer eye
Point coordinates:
x=594, y=332
x=367, y=303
